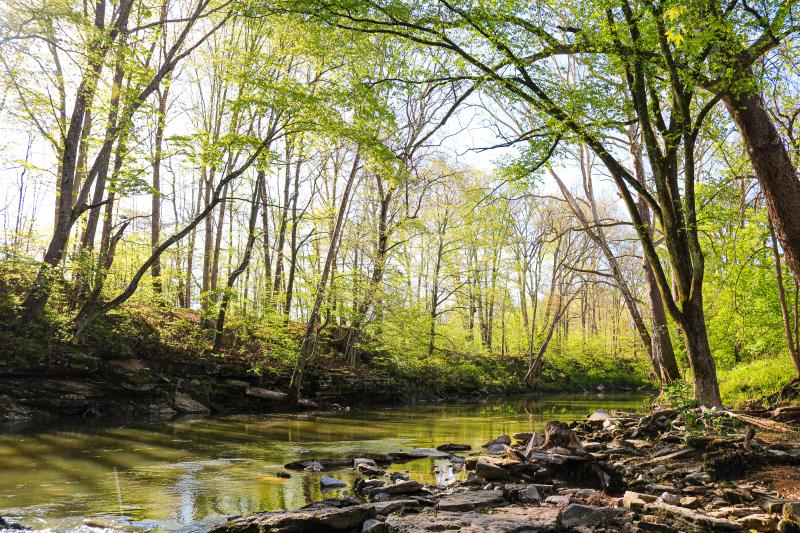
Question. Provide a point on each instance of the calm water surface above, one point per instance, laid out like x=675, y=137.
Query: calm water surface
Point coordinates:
x=186, y=475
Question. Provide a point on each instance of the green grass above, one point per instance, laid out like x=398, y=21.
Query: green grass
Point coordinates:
x=755, y=380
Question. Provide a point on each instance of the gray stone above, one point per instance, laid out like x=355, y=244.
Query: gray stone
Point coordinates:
x=575, y=515
x=496, y=448
x=316, y=517
x=530, y=494
x=402, y=487
x=327, y=482
x=374, y=526
x=599, y=414
x=502, y=439
x=185, y=404
x=450, y=447
x=490, y=472
x=560, y=500
x=672, y=499
x=265, y=394
x=469, y=501
x=392, y=506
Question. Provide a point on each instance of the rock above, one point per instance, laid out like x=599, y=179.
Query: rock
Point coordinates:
x=316, y=517
x=690, y=501
x=502, y=439
x=364, y=461
x=576, y=515
x=469, y=501
x=185, y=404
x=522, y=436
x=635, y=500
x=791, y=512
x=530, y=494
x=284, y=475
x=490, y=472
x=599, y=414
x=454, y=447
x=403, y=487
x=391, y=506
x=672, y=499
x=560, y=500
x=374, y=526
x=506, y=520
x=785, y=526
x=496, y=448
x=759, y=522
x=772, y=506
x=314, y=466
x=600, y=388
x=327, y=482
x=266, y=394
x=658, y=471
x=5, y=525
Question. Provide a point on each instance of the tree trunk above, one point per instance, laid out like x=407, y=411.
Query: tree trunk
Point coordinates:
x=791, y=341
x=234, y=275
x=155, y=222
x=704, y=371
x=310, y=338
x=773, y=167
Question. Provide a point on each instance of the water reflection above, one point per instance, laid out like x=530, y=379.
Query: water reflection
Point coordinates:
x=186, y=474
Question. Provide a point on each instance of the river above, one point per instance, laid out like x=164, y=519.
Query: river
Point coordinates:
x=184, y=475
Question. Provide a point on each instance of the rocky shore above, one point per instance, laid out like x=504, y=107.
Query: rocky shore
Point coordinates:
x=666, y=471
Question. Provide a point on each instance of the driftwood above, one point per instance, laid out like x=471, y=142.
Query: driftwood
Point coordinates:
x=763, y=423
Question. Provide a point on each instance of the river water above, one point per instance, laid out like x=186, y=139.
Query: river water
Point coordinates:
x=185, y=475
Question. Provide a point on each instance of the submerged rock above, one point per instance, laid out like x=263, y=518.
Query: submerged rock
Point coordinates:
x=450, y=447
x=327, y=482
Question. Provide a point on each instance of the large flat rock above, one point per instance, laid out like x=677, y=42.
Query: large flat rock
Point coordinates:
x=312, y=519
x=506, y=520
x=469, y=501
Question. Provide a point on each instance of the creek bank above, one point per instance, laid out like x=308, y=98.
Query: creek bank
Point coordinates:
x=666, y=471
x=130, y=388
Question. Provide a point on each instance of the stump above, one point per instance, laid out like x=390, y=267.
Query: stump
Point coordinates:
x=559, y=435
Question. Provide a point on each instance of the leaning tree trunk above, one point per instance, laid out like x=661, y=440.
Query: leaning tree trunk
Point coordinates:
x=310, y=338
x=773, y=167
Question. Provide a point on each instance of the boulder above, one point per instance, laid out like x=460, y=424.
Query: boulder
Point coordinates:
x=490, y=472
x=392, y=506
x=185, y=404
x=786, y=526
x=502, y=439
x=316, y=517
x=403, y=487
x=469, y=501
x=576, y=515
x=450, y=447
x=374, y=526
x=327, y=482
x=529, y=494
